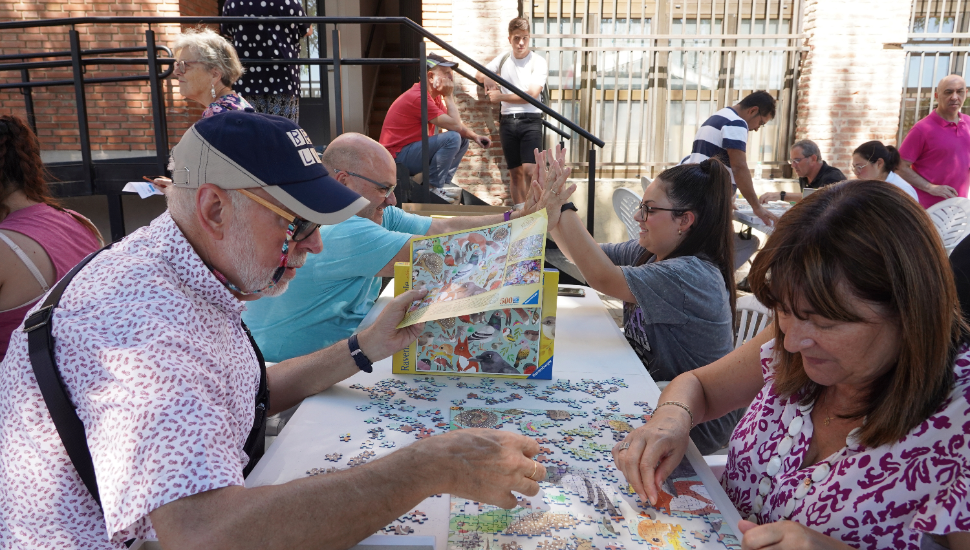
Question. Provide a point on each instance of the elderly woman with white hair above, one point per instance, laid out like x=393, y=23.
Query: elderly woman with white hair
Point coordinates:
x=206, y=67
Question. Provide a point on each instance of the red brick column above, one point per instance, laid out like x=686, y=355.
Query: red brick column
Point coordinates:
x=119, y=114
x=478, y=28
x=850, y=87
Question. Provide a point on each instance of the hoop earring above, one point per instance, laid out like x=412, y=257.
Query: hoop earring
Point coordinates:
x=213, y=91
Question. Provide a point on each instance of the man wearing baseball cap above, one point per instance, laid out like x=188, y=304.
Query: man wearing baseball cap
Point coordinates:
x=146, y=347
x=401, y=133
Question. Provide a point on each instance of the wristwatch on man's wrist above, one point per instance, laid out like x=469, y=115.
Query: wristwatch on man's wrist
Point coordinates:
x=783, y=193
x=363, y=363
x=568, y=206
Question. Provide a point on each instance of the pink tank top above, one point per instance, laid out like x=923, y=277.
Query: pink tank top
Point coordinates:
x=64, y=239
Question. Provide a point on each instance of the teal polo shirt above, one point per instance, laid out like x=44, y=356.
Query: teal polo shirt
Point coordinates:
x=332, y=293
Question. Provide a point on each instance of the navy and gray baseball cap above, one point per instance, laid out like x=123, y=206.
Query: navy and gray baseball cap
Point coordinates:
x=243, y=150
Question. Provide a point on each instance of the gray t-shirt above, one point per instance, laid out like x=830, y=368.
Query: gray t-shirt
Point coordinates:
x=682, y=320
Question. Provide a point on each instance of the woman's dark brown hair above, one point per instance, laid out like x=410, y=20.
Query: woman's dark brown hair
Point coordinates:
x=704, y=189
x=875, y=242
x=21, y=169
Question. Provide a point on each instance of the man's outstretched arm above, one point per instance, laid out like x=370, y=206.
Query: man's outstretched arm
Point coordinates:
x=340, y=509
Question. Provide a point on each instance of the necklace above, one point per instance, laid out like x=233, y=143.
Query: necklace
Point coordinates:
x=782, y=450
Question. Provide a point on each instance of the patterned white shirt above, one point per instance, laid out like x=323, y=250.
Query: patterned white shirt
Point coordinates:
x=154, y=357
x=883, y=497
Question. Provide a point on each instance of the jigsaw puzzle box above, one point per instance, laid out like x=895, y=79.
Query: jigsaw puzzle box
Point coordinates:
x=512, y=342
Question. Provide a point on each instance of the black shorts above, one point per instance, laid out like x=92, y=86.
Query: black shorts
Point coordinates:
x=520, y=138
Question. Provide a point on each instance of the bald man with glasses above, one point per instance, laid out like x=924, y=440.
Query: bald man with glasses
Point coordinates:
x=340, y=285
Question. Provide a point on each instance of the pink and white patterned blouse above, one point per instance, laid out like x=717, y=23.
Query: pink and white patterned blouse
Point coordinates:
x=164, y=379
x=884, y=497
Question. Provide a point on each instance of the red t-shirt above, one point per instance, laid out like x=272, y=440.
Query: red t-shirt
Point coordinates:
x=940, y=152
x=402, y=125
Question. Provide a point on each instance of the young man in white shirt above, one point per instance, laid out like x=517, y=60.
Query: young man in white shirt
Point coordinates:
x=521, y=122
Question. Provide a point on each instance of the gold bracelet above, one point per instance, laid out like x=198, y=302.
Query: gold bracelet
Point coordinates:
x=677, y=404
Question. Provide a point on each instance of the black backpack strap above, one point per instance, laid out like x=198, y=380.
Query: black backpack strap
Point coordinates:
x=256, y=442
x=40, y=347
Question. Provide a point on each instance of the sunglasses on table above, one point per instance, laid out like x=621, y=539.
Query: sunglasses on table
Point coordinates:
x=388, y=189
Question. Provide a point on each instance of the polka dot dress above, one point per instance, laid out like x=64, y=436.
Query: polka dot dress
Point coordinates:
x=267, y=41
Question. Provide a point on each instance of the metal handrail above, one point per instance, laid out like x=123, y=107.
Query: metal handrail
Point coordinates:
x=73, y=21
x=153, y=61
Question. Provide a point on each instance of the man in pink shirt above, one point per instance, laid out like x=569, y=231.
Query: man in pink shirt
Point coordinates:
x=936, y=152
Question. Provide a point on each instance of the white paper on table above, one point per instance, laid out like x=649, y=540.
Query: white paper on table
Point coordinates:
x=143, y=188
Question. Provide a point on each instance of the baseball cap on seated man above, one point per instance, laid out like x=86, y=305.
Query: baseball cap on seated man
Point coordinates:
x=435, y=60
x=243, y=150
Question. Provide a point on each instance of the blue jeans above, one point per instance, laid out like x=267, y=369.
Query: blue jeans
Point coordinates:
x=446, y=150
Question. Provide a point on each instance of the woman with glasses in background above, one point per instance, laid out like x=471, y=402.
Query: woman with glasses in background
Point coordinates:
x=207, y=66
x=874, y=161
x=676, y=280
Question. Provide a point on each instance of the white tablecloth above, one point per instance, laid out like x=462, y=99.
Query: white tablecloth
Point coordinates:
x=589, y=345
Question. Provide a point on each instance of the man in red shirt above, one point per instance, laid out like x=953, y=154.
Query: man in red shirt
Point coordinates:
x=936, y=152
x=401, y=133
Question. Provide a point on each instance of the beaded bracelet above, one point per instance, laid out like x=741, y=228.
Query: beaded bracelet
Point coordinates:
x=677, y=404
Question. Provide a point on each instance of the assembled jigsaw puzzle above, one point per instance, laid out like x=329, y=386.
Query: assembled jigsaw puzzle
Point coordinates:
x=584, y=503
x=478, y=269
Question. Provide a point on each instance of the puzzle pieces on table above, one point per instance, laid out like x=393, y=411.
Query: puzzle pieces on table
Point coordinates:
x=367, y=444
x=373, y=420
x=364, y=407
x=398, y=529
x=416, y=516
x=345, y=437
x=376, y=433
x=334, y=457
x=609, y=473
x=362, y=458
x=388, y=444
x=317, y=471
x=433, y=381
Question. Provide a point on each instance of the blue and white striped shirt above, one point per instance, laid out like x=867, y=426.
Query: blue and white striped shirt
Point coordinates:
x=724, y=130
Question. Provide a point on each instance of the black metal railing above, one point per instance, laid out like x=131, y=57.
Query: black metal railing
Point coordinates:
x=77, y=62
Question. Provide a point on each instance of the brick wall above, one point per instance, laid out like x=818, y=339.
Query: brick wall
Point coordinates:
x=482, y=172
x=850, y=88
x=119, y=114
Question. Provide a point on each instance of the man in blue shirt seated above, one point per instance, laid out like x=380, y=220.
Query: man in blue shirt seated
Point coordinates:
x=337, y=287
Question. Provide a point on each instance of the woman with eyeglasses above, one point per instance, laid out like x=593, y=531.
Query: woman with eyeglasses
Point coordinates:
x=207, y=66
x=874, y=161
x=676, y=280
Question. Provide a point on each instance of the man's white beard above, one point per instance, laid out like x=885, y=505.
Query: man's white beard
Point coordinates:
x=252, y=276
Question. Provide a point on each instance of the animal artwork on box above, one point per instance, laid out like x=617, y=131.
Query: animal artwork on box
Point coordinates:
x=478, y=269
x=501, y=341
x=451, y=267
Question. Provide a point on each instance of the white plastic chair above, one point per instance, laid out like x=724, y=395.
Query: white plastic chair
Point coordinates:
x=952, y=219
x=753, y=317
x=644, y=182
x=625, y=204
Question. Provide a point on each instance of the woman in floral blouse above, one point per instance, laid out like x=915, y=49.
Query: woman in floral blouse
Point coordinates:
x=859, y=419
x=206, y=68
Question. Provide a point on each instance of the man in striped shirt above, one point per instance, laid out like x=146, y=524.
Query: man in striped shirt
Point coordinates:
x=725, y=135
